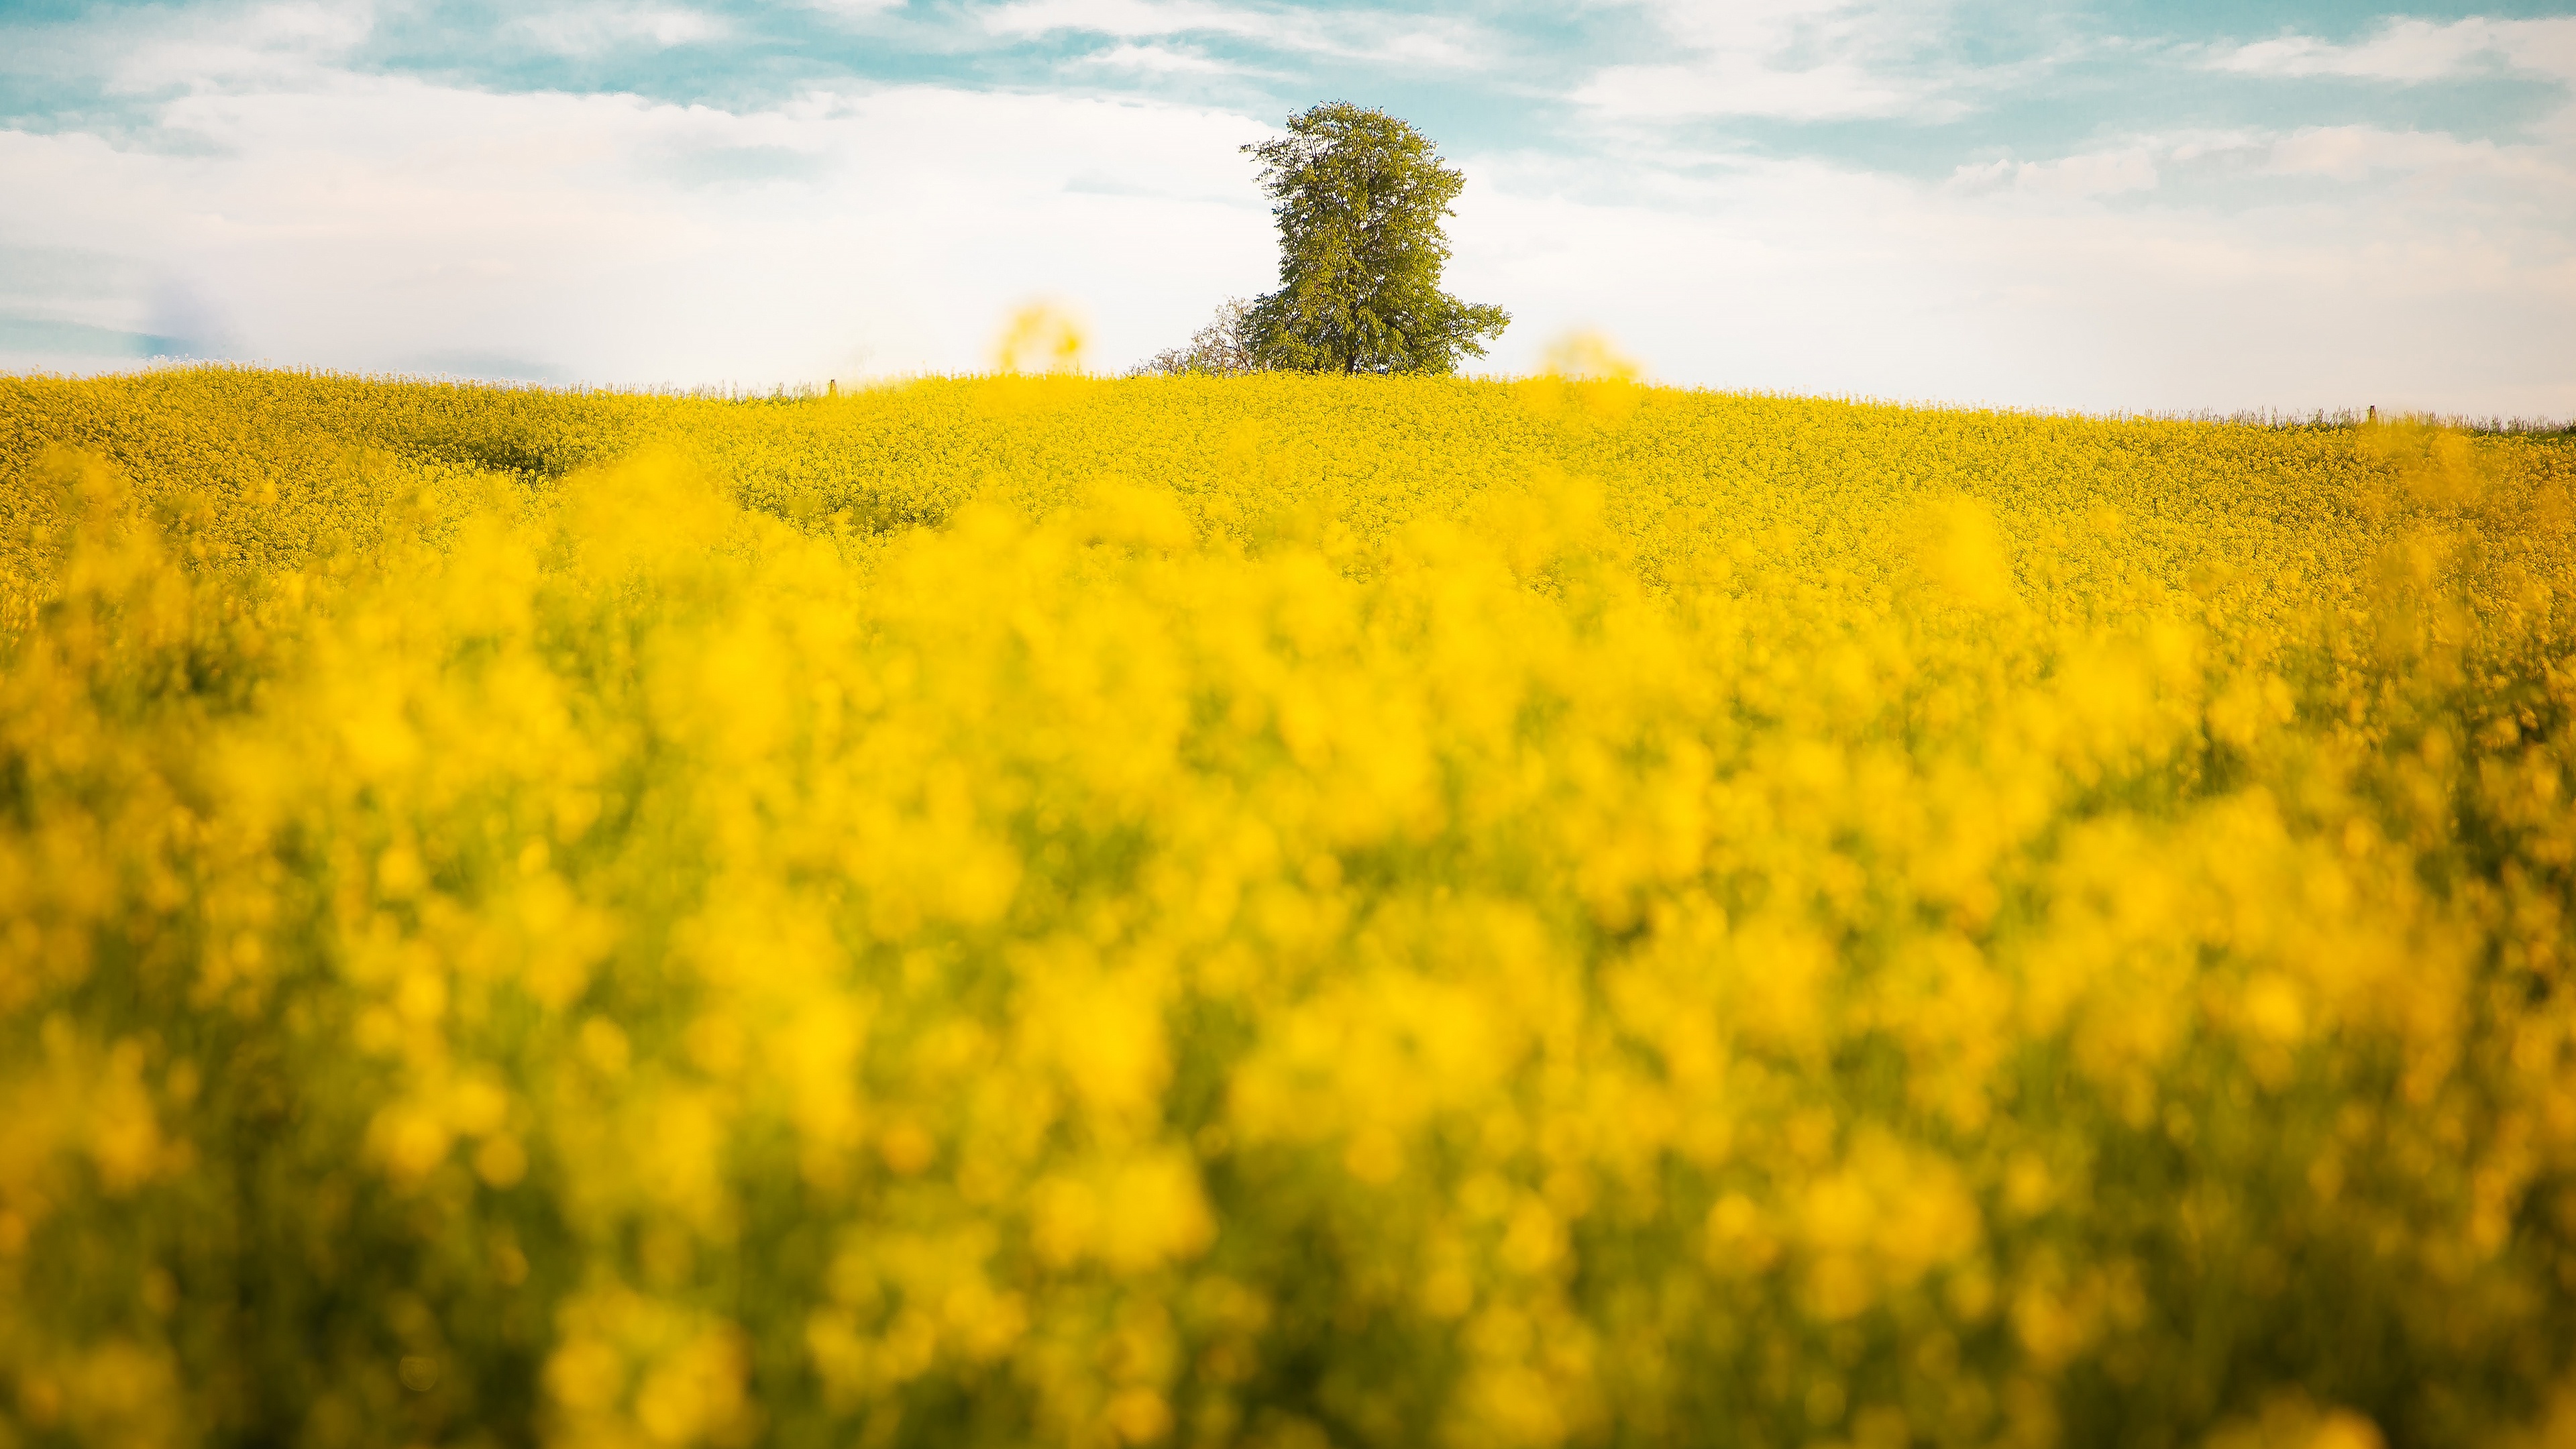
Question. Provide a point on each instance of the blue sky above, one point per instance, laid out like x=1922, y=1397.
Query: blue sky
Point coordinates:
x=2108, y=206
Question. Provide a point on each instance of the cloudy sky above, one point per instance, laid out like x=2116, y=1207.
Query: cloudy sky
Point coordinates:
x=2111, y=205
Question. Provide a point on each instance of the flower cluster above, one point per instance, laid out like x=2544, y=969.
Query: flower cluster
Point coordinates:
x=1280, y=911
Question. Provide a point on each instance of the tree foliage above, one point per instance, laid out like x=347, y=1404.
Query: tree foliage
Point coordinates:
x=1360, y=197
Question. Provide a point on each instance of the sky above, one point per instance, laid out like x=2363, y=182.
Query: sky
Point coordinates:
x=2111, y=206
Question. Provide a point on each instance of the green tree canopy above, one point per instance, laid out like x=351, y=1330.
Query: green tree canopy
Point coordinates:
x=1360, y=197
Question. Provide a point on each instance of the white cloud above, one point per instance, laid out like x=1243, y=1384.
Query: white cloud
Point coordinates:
x=1127, y=18
x=1154, y=60
x=1351, y=34
x=2355, y=153
x=598, y=29
x=855, y=9
x=2532, y=173
x=2098, y=173
x=1791, y=59
x=261, y=44
x=1806, y=277
x=378, y=223
x=1744, y=86
x=2416, y=51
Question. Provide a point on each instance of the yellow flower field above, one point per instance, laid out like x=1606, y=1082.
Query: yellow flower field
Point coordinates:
x=1277, y=912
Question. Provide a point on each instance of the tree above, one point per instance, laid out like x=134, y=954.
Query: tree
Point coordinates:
x=1223, y=348
x=1359, y=198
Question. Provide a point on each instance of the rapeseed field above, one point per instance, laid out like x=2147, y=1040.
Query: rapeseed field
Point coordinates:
x=1281, y=912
